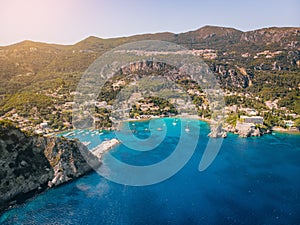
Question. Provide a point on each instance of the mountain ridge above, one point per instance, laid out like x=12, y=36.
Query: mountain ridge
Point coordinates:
x=201, y=29
x=28, y=61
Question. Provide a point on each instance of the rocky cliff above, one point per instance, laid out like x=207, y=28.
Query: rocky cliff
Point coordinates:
x=246, y=130
x=228, y=76
x=32, y=163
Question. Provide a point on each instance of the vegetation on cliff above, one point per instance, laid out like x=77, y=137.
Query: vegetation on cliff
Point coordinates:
x=29, y=163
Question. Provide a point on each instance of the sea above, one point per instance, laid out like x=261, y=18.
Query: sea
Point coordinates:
x=251, y=181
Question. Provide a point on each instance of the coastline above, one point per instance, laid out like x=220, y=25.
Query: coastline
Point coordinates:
x=22, y=198
x=104, y=147
x=178, y=116
x=285, y=131
x=208, y=121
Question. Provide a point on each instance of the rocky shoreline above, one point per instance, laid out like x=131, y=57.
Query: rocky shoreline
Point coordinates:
x=32, y=164
x=284, y=130
x=253, y=131
x=244, y=130
x=105, y=146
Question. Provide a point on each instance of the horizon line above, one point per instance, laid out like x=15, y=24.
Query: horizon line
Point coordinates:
x=144, y=33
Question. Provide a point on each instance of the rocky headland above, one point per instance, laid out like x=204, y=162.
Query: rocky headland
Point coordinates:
x=30, y=164
x=246, y=130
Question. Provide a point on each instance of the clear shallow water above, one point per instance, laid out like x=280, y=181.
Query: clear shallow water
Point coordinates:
x=252, y=181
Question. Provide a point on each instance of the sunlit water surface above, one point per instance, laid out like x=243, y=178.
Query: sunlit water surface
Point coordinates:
x=251, y=181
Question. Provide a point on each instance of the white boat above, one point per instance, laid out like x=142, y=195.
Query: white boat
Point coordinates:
x=175, y=122
x=187, y=129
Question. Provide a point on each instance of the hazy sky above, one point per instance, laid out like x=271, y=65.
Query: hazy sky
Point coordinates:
x=69, y=21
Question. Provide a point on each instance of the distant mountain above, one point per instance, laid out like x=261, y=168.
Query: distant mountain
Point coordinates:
x=281, y=35
x=209, y=37
x=26, y=62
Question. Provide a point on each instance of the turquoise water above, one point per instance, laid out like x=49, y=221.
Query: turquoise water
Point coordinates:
x=251, y=181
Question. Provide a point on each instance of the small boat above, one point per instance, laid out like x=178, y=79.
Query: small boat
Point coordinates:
x=159, y=128
x=175, y=122
x=187, y=129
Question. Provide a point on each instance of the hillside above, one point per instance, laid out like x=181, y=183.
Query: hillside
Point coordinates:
x=28, y=61
x=263, y=63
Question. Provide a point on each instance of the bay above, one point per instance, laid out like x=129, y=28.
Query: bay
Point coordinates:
x=251, y=181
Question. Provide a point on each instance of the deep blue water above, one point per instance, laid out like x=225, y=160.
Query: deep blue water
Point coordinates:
x=251, y=181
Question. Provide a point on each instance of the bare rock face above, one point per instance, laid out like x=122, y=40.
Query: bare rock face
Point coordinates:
x=230, y=77
x=29, y=163
x=104, y=147
x=217, y=131
x=66, y=158
x=247, y=130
